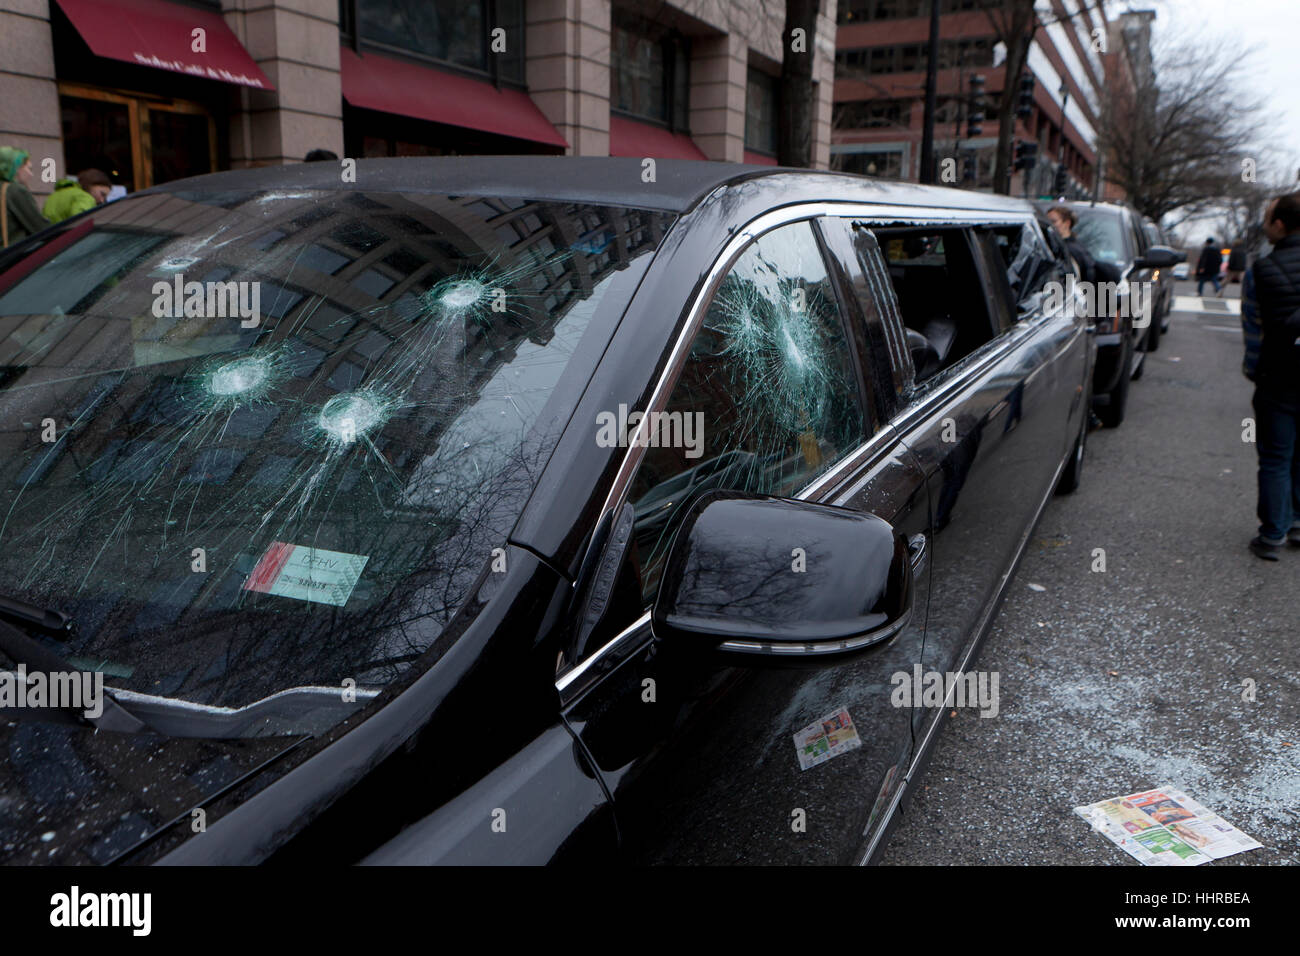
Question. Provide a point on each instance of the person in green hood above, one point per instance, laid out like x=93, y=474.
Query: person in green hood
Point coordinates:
x=73, y=196
x=19, y=215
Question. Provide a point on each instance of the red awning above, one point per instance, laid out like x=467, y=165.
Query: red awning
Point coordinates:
x=160, y=34
x=630, y=138
x=758, y=159
x=375, y=82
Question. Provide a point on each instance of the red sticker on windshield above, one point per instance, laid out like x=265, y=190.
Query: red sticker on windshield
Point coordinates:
x=307, y=574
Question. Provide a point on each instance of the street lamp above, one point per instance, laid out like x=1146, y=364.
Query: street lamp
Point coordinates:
x=1060, y=153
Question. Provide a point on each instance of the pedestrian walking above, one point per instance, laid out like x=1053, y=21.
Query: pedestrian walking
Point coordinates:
x=1271, y=318
x=73, y=196
x=1236, y=262
x=1207, y=267
x=19, y=215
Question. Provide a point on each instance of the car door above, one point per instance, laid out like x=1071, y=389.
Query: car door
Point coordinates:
x=987, y=431
x=700, y=756
x=1027, y=279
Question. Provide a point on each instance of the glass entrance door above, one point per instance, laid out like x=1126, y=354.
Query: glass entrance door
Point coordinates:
x=138, y=140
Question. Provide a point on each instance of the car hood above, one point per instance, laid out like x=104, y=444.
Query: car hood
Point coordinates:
x=69, y=795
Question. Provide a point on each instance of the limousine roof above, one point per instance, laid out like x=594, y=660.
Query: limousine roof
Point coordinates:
x=678, y=184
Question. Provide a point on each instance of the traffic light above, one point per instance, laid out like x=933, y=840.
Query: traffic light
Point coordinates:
x=1025, y=101
x=969, y=171
x=1026, y=154
x=975, y=118
x=1059, y=183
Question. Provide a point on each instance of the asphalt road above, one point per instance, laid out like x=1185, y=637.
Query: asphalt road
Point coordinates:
x=1119, y=681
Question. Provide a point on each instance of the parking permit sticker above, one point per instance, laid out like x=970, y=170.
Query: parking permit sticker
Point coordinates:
x=829, y=737
x=307, y=574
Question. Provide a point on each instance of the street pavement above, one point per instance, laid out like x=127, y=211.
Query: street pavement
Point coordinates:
x=1122, y=680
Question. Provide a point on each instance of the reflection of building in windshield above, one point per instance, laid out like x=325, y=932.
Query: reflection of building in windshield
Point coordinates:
x=320, y=426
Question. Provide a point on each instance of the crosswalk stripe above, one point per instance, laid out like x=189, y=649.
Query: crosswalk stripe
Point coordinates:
x=1207, y=306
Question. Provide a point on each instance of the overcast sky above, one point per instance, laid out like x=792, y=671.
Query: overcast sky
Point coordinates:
x=1271, y=26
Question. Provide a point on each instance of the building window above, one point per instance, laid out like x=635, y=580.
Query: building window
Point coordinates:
x=884, y=165
x=862, y=11
x=760, y=112
x=913, y=57
x=648, y=74
x=457, y=32
x=868, y=114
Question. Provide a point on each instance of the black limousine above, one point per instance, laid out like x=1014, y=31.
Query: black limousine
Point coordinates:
x=512, y=510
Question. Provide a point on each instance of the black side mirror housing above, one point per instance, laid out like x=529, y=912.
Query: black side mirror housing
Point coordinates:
x=1160, y=257
x=779, y=578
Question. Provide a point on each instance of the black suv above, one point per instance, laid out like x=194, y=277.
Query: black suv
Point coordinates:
x=1125, y=257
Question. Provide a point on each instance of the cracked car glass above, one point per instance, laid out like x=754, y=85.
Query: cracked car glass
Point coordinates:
x=230, y=508
x=771, y=374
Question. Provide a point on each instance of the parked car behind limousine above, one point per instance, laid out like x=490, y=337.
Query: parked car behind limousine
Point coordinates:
x=1114, y=235
x=530, y=518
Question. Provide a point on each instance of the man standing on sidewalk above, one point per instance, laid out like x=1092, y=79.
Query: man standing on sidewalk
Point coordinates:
x=1271, y=308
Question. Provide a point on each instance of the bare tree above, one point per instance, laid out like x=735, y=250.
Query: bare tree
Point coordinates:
x=1187, y=137
x=1015, y=23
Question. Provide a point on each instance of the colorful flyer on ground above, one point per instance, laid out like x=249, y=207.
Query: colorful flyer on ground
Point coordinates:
x=1165, y=827
x=307, y=574
x=829, y=737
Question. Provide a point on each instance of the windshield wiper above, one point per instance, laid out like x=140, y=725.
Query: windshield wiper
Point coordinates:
x=27, y=651
x=45, y=617
x=296, y=711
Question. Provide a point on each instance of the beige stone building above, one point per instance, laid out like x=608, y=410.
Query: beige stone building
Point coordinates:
x=155, y=90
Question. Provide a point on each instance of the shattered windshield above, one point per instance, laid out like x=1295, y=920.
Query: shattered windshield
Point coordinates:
x=266, y=440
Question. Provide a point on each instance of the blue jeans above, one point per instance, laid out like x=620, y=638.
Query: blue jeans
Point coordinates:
x=1277, y=424
x=1200, y=284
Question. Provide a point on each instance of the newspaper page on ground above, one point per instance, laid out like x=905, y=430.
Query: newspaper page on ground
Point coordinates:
x=1166, y=827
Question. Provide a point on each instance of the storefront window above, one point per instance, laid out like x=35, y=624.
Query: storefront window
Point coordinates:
x=97, y=135
x=179, y=144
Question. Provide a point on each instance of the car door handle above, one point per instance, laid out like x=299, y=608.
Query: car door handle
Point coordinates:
x=916, y=550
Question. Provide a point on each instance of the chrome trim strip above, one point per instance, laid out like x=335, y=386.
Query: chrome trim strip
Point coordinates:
x=853, y=461
x=567, y=680
x=924, y=402
x=817, y=648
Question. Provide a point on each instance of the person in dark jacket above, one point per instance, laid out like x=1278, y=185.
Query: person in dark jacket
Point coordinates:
x=1276, y=288
x=1064, y=220
x=20, y=217
x=1236, y=262
x=1207, y=267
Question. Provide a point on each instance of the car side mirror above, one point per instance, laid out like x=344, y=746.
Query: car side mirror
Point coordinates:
x=1160, y=257
x=774, y=577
